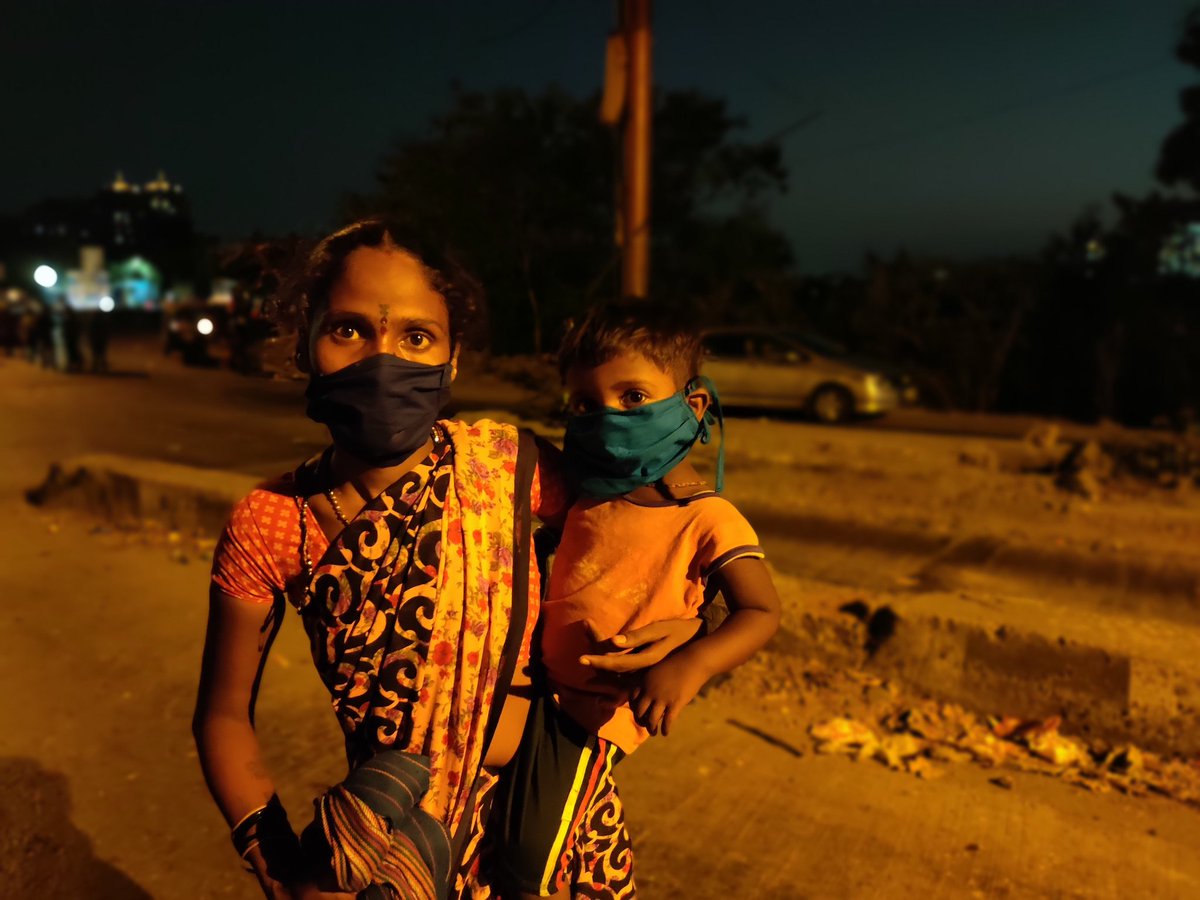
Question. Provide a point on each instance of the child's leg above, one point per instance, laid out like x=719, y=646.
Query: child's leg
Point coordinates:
x=546, y=793
x=602, y=863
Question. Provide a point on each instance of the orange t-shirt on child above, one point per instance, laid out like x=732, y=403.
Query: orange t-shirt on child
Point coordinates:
x=623, y=564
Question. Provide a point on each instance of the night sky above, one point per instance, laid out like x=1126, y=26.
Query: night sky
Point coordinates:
x=951, y=128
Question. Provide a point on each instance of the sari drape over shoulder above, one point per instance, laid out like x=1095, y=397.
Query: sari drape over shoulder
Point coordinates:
x=409, y=609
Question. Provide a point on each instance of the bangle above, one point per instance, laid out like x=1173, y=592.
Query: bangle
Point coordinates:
x=267, y=829
x=245, y=833
x=256, y=825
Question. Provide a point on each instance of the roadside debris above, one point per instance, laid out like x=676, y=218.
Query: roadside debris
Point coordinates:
x=1087, y=467
x=179, y=546
x=911, y=738
x=980, y=455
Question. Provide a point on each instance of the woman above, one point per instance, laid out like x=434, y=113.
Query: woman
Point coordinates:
x=405, y=548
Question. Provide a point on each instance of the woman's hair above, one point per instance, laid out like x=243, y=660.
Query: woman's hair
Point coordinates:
x=666, y=338
x=307, y=290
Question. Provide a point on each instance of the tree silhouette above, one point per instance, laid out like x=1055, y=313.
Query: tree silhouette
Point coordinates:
x=1179, y=158
x=953, y=326
x=525, y=186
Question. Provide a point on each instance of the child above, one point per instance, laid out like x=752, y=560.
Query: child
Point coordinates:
x=647, y=539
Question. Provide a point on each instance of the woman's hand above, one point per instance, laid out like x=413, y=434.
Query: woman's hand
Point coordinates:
x=284, y=876
x=272, y=888
x=296, y=889
x=640, y=648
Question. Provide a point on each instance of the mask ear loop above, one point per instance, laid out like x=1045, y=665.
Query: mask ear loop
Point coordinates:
x=712, y=415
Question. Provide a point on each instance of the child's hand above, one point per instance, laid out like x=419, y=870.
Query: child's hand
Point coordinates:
x=665, y=690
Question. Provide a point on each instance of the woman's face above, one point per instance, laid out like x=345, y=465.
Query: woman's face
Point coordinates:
x=383, y=303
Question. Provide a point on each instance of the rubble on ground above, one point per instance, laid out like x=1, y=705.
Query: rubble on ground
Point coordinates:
x=179, y=546
x=912, y=738
x=1086, y=468
x=850, y=712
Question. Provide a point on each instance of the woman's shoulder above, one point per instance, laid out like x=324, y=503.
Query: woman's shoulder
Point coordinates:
x=267, y=500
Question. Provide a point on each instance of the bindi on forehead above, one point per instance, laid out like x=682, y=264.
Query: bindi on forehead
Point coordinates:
x=384, y=309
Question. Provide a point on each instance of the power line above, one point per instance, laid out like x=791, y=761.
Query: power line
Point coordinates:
x=1036, y=19
x=803, y=122
x=516, y=29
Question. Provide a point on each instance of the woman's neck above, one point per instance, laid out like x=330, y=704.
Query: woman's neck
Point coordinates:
x=348, y=471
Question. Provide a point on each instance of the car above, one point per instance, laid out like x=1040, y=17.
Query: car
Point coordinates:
x=770, y=369
x=191, y=327
x=826, y=346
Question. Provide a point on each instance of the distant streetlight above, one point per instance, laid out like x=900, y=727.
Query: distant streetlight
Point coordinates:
x=205, y=326
x=45, y=276
x=107, y=304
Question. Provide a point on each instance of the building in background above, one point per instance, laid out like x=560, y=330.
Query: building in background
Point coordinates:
x=129, y=241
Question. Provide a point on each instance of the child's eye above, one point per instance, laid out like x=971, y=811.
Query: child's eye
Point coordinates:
x=633, y=398
x=579, y=407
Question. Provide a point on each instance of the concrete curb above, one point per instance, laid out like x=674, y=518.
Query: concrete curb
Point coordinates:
x=1112, y=676
x=1109, y=674
x=131, y=491
x=1168, y=586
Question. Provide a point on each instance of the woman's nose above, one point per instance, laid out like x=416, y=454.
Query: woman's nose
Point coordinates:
x=385, y=343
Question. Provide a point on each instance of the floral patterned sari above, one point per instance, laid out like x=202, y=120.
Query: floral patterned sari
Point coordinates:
x=409, y=613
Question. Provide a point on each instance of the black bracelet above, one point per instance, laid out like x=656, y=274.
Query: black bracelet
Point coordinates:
x=258, y=825
x=245, y=833
x=268, y=829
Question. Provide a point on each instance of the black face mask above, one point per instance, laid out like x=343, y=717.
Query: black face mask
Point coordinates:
x=380, y=409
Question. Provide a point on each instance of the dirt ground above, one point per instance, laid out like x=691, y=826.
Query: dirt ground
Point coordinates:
x=102, y=632
x=104, y=797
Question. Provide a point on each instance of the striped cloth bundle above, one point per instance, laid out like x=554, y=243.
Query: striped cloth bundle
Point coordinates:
x=381, y=845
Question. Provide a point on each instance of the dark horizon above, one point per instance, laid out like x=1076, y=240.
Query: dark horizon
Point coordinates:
x=947, y=131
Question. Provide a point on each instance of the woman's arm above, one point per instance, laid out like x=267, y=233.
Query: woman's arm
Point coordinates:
x=753, y=619
x=640, y=648
x=235, y=648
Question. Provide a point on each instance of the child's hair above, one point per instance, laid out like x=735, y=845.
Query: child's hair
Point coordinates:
x=640, y=326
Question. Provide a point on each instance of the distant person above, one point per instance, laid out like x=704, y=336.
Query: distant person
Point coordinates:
x=98, y=331
x=42, y=346
x=9, y=329
x=26, y=323
x=72, y=348
x=636, y=406
x=405, y=548
x=58, y=334
x=238, y=325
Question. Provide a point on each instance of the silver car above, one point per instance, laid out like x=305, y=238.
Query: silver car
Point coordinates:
x=762, y=368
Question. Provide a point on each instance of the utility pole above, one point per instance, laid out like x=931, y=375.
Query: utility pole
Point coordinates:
x=629, y=100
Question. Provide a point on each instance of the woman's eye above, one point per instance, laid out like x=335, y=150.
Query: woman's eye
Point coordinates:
x=345, y=332
x=418, y=339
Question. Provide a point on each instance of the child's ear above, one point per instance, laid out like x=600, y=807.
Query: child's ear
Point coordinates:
x=699, y=400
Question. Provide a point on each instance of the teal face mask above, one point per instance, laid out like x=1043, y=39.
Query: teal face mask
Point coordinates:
x=613, y=451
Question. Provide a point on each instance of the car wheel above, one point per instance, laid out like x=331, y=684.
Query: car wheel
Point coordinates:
x=832, y=404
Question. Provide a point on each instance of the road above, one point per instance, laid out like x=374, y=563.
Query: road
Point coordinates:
x=103, y=798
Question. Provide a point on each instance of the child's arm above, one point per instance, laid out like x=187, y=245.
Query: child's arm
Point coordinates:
x=670, y=685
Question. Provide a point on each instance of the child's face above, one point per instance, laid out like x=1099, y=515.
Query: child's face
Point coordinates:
x=626, y=381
